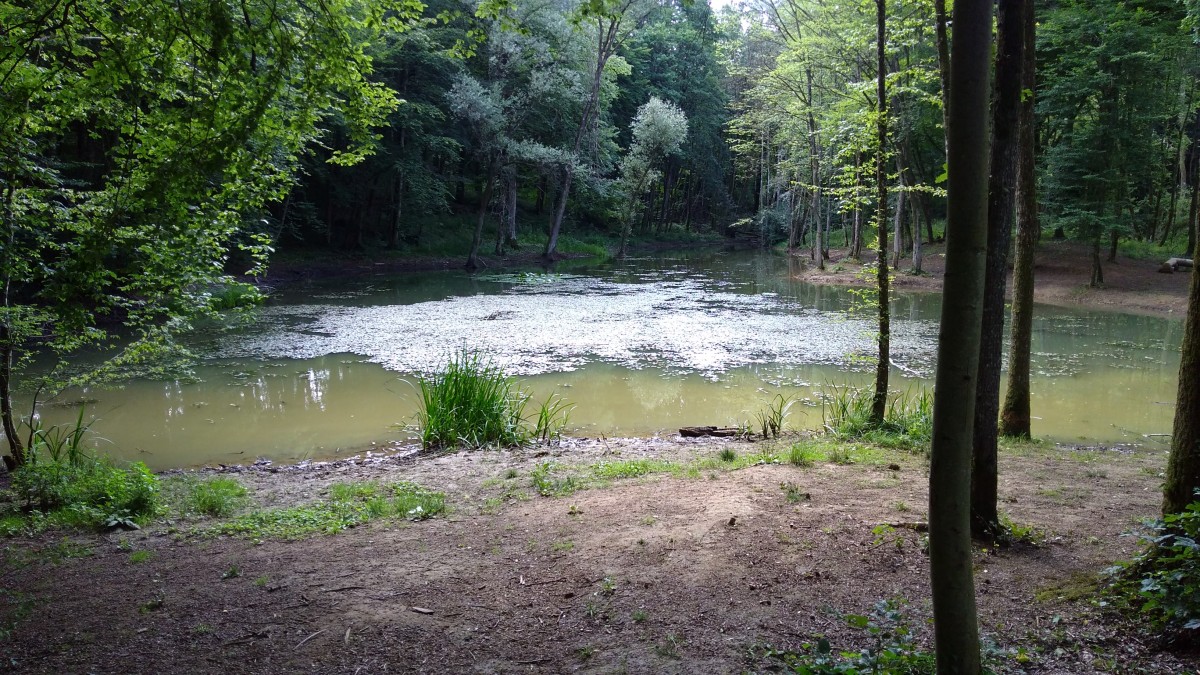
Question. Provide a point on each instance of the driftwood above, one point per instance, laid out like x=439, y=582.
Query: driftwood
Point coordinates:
x=696, y=432
x=1174, y=265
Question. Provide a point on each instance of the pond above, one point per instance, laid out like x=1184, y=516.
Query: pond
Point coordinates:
x=641, y=346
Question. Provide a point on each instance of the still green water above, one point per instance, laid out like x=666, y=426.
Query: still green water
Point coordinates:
x=642, y=346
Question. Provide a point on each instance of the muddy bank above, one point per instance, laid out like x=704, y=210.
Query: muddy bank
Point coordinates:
x=1062, y=271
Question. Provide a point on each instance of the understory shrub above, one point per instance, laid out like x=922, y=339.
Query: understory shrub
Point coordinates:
x=1163, y=581
x=473, y=403
x=92, y=492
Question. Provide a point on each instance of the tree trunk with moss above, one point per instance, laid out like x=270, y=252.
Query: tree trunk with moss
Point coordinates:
x=1015, y=416
x=882, y=366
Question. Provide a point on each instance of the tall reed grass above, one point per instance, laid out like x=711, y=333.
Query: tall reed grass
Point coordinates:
x=907, y=422
x=473, y=403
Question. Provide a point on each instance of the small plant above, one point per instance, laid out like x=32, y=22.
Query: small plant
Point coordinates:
x=585, y=652
x=548, y=486
x=1013, y=532
x=771, y=421
x=727, y=455
x=840, y=455
x=639, y=616
x=562, y=546
x=670, y=645
x=261, y=582
x=892, y=648
x=138, y=557
x=608, y=586
x=231, y=572
x=793, y=493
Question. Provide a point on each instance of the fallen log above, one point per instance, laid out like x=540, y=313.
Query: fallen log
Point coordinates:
x=723, y=432
x=1174, y=265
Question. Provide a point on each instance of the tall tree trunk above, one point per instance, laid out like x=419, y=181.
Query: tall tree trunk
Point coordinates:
x=1194, y=204
x=1183, y=465
x=814, y=165
x=484, y=198
x=956, y=626
x=1006, y=128
x=1097, y=280
x=16, y=449
x=898, y=225
x=1015, y=416
x=884, y=362
x=1114, y=239
x=606, y=44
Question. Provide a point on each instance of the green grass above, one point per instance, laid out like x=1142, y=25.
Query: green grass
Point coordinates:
x=138, y=557
x=1150, y=250
x=472, y=403
x=217, y=497
x=802, y=454
x=348, y=505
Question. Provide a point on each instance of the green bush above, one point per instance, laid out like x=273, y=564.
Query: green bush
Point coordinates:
x=88, y=493
x=473, y=403
x=1165, y=578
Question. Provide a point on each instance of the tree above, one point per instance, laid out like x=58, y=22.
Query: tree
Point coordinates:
x=138, y=142
x=956, y=630
x=1183, y=465
x=1015, y=416
x=883, y=362
x=658, y=132
x=1006, y=129
x=1103, y=105
x=608, y=23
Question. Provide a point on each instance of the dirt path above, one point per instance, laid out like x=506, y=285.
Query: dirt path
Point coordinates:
x=697, y=572
x=1062, y=270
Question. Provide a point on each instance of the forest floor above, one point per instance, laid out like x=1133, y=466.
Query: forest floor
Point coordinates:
x=1062, y=271
x=702, y=565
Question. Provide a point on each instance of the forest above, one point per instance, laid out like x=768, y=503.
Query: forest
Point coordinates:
x=507, y=182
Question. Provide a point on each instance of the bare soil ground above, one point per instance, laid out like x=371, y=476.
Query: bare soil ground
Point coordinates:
x=659, y=574
x=1062, y=270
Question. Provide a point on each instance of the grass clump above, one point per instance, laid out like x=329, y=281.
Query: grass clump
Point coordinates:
x=801, y=454
x=907, y=422
x=214, y=497
x=348, y=505
x=473, y=403
x=631, y=468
